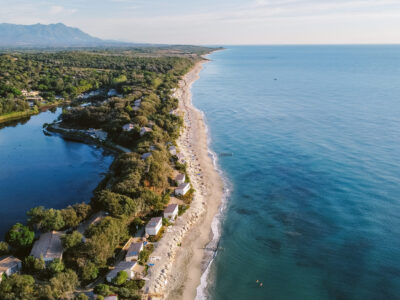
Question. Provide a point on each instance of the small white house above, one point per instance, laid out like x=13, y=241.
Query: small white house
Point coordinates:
x=182, y=189
x=137, y=102
x=134, y=251
x=180, y=178
x=9, y=265
x=126, y=266
x=128, y=127
x=154, y=226
x=171, y=211
x=172, y=150
x=145, y=130
x=145, y=155
x=181, y=158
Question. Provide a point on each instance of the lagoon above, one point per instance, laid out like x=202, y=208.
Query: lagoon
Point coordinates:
x=36, y=169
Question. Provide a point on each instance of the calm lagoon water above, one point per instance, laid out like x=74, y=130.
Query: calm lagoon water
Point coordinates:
x=314, y=211
x=36, y=169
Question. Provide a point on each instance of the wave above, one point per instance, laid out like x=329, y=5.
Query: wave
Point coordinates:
x=213, y=245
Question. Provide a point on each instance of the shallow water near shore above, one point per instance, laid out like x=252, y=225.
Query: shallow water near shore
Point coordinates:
x=36, y=169
x=314, y=133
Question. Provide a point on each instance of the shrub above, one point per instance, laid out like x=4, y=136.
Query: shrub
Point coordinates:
x=19, y=236
x=121, y=278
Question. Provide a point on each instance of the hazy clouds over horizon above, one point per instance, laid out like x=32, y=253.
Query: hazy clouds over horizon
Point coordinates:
x=218, y=21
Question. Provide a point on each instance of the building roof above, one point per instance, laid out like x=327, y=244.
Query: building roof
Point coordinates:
x=154, y=222
x=49, y=246
x=8, y=262
x=180, y=177
x=146, y=155
x=183, y=185
x=171, y=208
x=121, y=266
x=134, y=249
x=111, y=297
x=128, y=127
x=143, y=130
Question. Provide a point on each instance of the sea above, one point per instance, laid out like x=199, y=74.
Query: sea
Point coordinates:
x=308, y=141
x=41, y=170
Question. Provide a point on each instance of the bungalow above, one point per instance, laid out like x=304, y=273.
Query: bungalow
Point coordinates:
x=128, y=127
x=145, y=155
x=171, y=211
x=180, y=178
x=145, y=130
x=126, y=266
x=172, y=150
x=181, y=158
x=48, y=247
x=134, y=251
x=30, y=94
x=112, y=93
x=182, y=189
x=9, y=265
x=97, y=134
x=111, y=297
x=137, y=102
x=154, y=226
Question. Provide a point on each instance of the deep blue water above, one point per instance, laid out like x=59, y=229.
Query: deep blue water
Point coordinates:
x=36, y=169
x=315, y=207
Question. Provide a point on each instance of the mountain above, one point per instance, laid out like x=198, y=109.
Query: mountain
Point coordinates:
x=52, y=35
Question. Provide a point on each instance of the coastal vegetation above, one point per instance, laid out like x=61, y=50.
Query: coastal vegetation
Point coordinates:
x=130, y=89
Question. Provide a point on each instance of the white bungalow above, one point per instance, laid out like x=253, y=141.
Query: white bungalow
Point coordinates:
x=180, y=178
x=134, y=251
x=111, y=297
x=97, y=134
x=48, y=247
x=171, y=211
x=145, y=155
x=182, y=189
x=126, y=266
x=128, y=127
x=154, y=226
x=9, y=265
x=112, y=93
x=181, y=158
x=137, y=102
x=145, y=130
x=172, y=150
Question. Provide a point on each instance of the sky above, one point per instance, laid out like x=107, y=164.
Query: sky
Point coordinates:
x=218, y=22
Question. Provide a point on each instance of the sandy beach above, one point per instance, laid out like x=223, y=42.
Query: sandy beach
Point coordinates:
x=180, y=258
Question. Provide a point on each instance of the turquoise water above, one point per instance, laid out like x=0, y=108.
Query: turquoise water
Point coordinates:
x=314, y=211
x=36, y=169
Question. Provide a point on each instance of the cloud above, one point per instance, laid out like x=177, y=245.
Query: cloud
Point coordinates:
x=57, y=10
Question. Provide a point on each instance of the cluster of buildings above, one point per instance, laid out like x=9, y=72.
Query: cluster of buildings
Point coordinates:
x=143, y=130
x=97, y=134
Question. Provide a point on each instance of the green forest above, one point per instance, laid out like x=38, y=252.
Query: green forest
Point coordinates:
x=67, y=74
x=134, y=190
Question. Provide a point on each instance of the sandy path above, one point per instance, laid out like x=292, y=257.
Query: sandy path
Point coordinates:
x=177, y=270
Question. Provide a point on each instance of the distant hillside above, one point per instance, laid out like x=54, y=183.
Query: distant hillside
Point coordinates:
x=53, y=35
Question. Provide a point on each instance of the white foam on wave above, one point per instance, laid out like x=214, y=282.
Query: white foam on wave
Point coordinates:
x=201, y=291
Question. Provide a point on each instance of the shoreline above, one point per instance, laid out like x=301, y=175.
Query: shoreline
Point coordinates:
x=181, y=255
